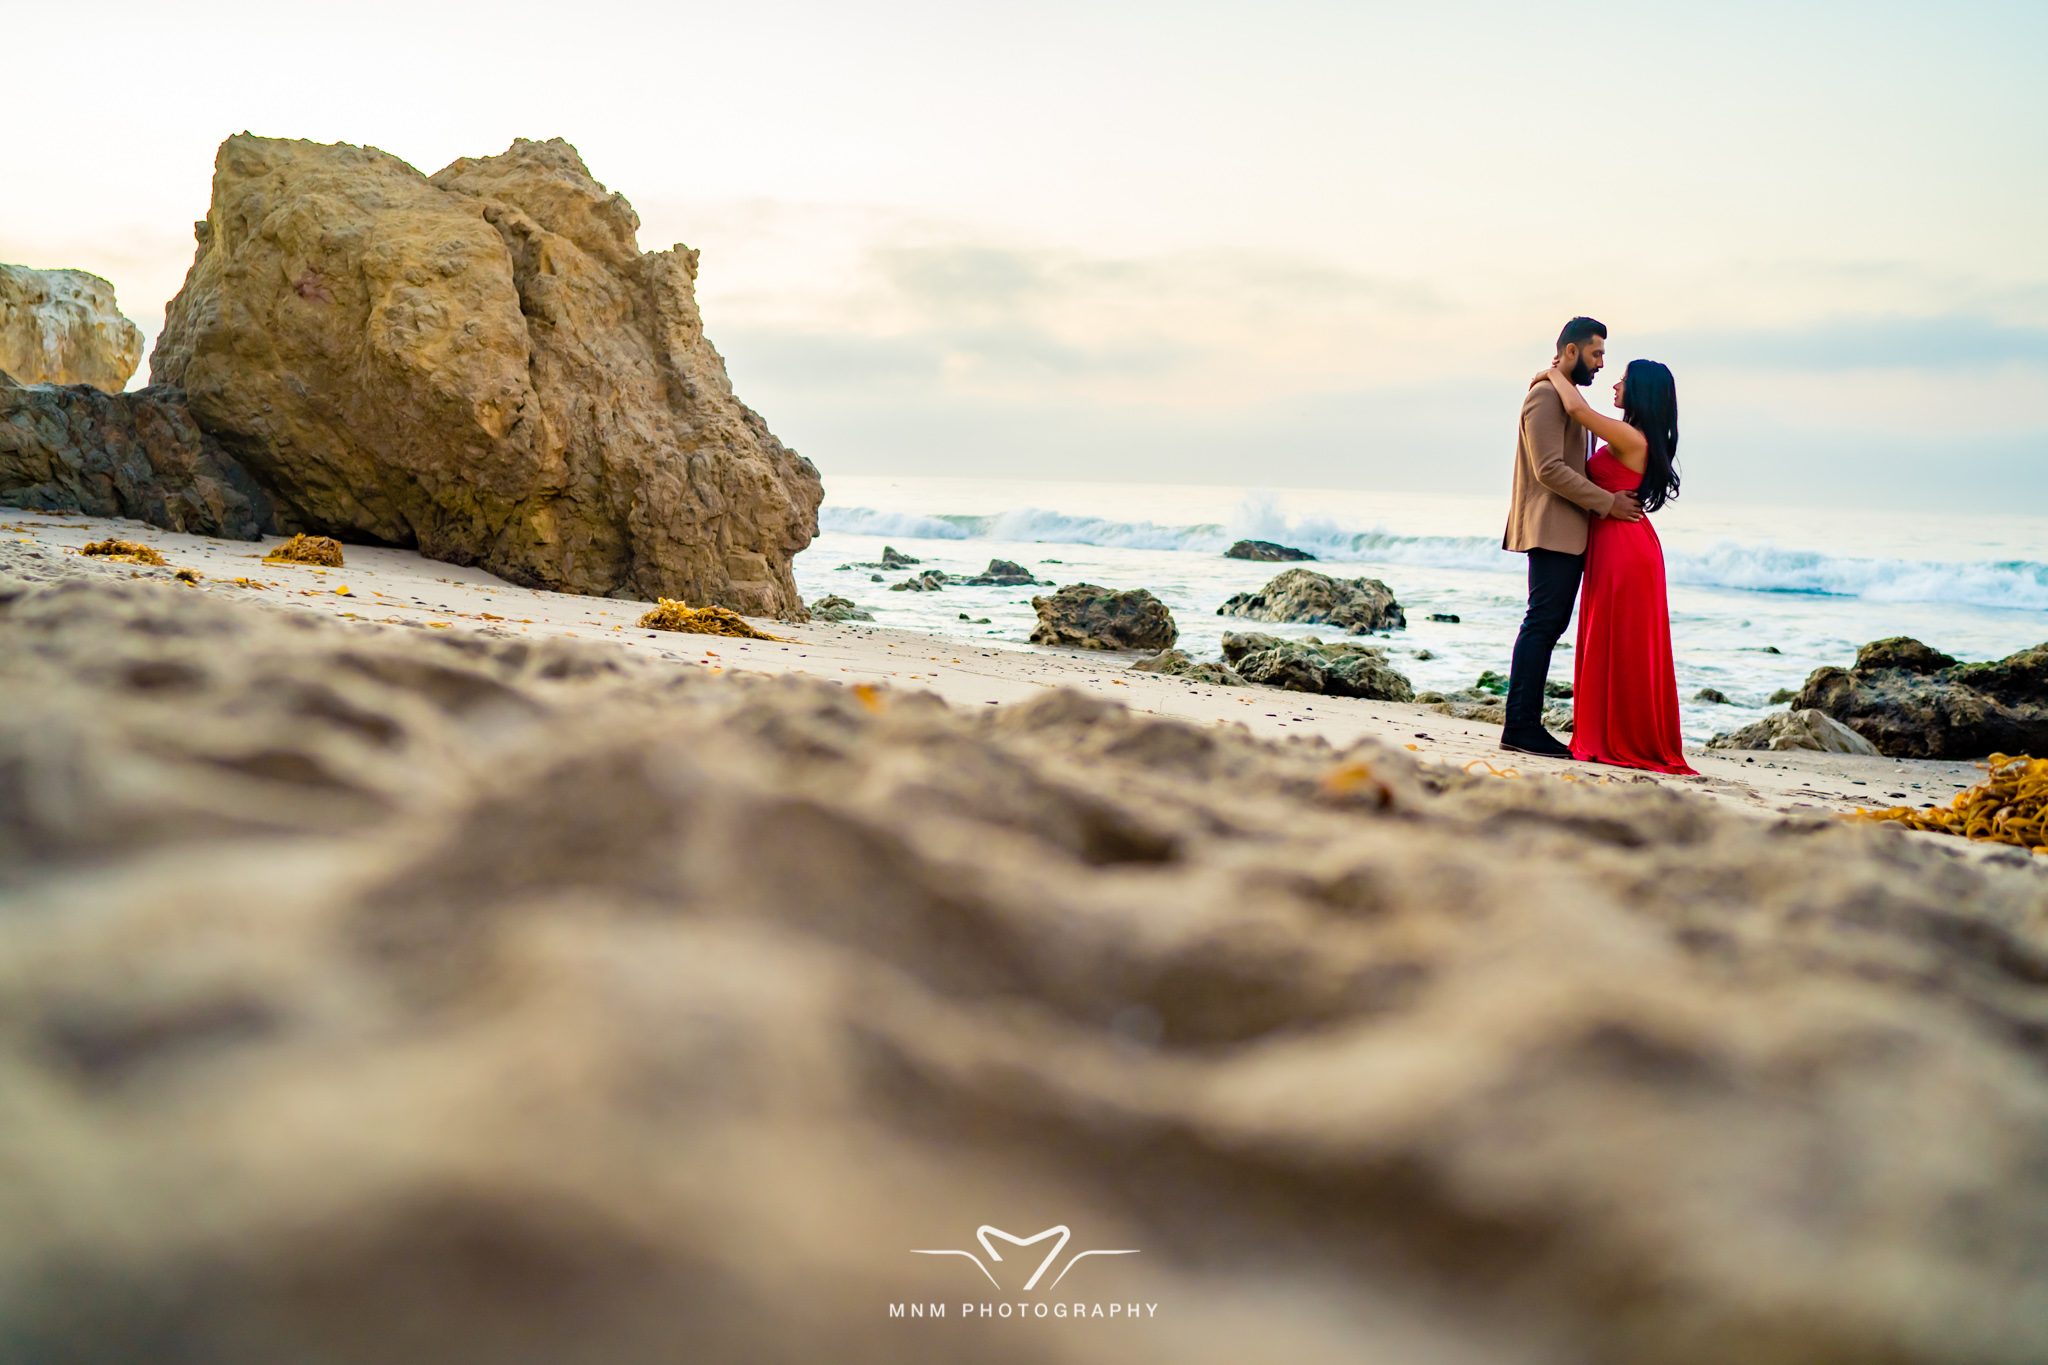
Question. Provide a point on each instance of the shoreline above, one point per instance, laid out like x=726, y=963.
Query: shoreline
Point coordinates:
x=403, y=588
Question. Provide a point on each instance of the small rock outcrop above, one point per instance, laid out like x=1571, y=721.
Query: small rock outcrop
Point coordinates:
x=1264, y=550
x=1356, y=605
x=836, y=608
x=931, y=580
x=1808, y=729
x=1905, y=653
x=138, y=455
x=1178, y=663
x=1000, y=573
x=1085, y=616
x=483, y=366
x=1914, y=702
x=1712, y=695
x=1485, y=706
x=1339, y=669
x=64, y=327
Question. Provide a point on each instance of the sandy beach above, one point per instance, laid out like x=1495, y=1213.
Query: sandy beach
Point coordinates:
x=402, y=588
x=809, y=788
x=460, y=964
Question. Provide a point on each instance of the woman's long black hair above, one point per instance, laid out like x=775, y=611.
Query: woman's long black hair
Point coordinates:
x=1649, y=400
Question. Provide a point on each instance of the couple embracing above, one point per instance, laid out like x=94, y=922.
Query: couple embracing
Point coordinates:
x=1579, y=514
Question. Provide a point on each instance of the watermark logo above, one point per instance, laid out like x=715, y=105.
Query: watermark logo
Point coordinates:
x=985, y=1232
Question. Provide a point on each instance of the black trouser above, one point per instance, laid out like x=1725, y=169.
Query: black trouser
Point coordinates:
x=1553, y=586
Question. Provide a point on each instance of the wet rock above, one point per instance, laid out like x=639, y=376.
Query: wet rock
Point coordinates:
x=1085, y=616
x=1357, y=605
x=1711, y=694
x=483, y=366
x=931, y=580
x=1264, y=550
x=1552, y=687
x=1486, y=707
x=893, y=559
x=137, y=455
x=1902, y=652
x=1000, y=573
x=1449, y=618
x=1177, y=663
x=376, y=996
x=1783, y=695
x=836, y=608
x=1339, y=669
x=1807, y=729
x=1910, y=704
x=1485, y=710
x=64, y=327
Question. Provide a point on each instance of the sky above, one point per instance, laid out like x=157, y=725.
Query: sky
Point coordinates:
x=1283, y=244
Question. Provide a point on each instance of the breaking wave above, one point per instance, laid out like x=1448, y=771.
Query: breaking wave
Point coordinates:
x=2014, y=584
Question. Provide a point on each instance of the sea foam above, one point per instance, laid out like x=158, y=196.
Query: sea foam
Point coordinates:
x=1754, y=567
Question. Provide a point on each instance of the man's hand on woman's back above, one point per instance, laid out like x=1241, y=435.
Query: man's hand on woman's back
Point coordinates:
x=1627, y=507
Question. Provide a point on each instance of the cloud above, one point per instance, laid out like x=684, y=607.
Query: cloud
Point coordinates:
x=1943, y=343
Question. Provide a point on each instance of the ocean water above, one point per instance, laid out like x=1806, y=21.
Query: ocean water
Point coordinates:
x=1760, y=597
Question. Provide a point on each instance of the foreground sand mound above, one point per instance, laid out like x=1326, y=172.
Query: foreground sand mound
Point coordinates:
x=372, y=995
x=484, y=366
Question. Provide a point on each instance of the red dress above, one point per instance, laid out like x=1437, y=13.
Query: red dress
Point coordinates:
x=1624, y=691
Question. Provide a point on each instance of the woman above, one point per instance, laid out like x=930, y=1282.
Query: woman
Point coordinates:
x=1624, y=691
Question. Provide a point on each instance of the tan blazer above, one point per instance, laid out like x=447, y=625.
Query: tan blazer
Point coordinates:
x=1552, y=493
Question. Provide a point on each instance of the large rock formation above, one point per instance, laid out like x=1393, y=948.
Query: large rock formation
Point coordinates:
x=1084, y=616
x=1357, y=605
x=368, y=995
x=1914, y=702
x=484, y=366
x=139, y=455
x=64, y=327
x=1809, y=729
x=1338, y=669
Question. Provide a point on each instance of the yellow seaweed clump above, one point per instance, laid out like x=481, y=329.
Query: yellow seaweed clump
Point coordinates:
x=669, y=615
x=2008, y=807
x=124, y=552
x=325, y=551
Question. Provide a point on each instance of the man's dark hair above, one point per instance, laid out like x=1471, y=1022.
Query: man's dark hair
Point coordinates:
x=1579, y=330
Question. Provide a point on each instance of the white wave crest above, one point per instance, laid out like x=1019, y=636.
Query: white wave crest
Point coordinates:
x=2012, y=584
x=866, y=521
x=2016, y=584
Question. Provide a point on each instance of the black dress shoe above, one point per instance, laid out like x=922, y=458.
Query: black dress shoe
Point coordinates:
x=1537, y=741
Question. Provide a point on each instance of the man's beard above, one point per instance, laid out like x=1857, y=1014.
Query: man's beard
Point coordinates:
x=1582, y=374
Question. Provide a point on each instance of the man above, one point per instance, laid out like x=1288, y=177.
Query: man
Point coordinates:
x=1547, y=521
